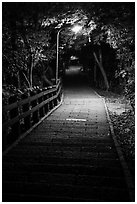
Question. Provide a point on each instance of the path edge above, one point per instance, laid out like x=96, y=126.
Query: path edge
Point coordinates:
x=124, y=165
x=33, y=127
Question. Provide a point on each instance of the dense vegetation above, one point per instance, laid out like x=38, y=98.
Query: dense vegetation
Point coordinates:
x=123, y=120
x=29, y=44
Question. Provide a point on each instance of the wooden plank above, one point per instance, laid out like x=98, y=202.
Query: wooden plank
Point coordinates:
x=10, y=106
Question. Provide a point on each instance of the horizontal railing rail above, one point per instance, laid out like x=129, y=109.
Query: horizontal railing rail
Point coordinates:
x=21, y=115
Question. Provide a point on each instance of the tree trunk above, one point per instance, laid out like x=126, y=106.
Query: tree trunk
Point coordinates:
x=95, y=74
x=101, y=68
x=48, y=82
x=44, y=77
x=31, y=74
x=30, y=62
x=26, y=79
x=12, y=21
x=18, y=75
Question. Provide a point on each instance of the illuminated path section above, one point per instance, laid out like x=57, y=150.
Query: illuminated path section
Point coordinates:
x=70, y=156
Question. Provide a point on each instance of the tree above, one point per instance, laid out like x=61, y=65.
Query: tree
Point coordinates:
x=25, y=42
x=30, y=35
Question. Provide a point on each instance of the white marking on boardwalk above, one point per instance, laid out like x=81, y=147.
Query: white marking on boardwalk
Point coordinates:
x=76, y=119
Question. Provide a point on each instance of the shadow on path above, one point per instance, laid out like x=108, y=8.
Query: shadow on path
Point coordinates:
x=75, y=78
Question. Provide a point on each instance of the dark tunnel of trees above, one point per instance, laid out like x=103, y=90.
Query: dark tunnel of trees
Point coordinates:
x=104, y=46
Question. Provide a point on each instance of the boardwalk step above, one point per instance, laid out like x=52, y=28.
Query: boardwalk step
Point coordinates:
x=81, y=192
x=64, y=160
x=61, y=168
x=40, y=198
x=58, y=178
x=48, y=139
x=76, y=153
x=98, y=147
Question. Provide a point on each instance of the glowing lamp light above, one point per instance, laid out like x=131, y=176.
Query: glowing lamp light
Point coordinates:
x=76, y=28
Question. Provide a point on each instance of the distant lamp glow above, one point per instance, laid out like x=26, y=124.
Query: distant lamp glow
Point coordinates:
x=76, y=28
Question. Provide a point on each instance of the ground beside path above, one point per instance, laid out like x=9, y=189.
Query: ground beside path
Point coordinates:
x=123, y=119
x=70, y=156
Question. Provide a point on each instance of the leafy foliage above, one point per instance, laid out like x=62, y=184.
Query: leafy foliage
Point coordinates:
x=26, y=44
x=123, y=120
x=29, y=39
x=124, y=126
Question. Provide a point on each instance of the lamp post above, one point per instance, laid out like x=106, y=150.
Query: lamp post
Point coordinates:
x=57, y=57
x=75, y=29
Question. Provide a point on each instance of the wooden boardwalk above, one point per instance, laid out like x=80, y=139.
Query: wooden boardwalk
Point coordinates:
x=70, y=156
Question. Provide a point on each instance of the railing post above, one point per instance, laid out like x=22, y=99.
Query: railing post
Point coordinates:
x=21, y=120
x=4, y=136
x=43, y=108
x=31, y=114
x=38, y=114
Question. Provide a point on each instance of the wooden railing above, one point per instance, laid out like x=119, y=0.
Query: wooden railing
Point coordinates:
x=23, y=114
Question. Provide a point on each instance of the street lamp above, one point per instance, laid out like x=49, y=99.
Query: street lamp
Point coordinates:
x=75, y=29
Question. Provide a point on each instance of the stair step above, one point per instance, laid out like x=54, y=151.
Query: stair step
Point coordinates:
x=71, y=191
x=57, y=178
x=40, y=198
x=62, y=160
x=87, y=148
x=49, y=152
x=61, y=168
